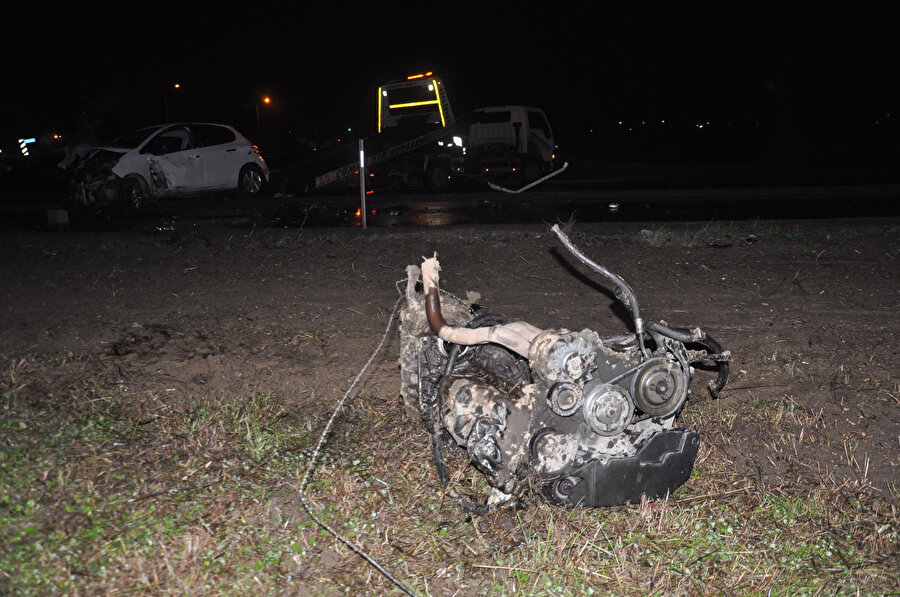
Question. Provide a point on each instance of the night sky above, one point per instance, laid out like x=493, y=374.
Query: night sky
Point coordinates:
x=587, y=65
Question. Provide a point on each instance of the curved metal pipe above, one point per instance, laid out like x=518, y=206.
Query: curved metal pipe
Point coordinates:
x=516, y=336
x=433, y=310
x=628, y=297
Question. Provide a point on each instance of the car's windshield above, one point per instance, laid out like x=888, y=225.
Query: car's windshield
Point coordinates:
x=134, y=138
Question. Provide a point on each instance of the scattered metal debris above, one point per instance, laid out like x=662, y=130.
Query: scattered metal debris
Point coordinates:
x=559, y=170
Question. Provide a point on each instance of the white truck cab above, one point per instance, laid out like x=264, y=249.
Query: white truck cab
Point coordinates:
x=504, y=140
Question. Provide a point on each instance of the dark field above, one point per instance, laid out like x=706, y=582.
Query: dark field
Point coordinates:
x=162, y=393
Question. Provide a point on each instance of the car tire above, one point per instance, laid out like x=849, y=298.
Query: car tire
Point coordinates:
x=250, y=180
x=133, y=193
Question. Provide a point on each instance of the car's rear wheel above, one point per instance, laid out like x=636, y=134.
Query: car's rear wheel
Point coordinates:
x=250, y=180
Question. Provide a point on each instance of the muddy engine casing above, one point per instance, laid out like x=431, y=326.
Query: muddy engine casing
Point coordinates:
x=581, y=420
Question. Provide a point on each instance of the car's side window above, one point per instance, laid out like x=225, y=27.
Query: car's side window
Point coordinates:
x=207, y=135
x=170, y=141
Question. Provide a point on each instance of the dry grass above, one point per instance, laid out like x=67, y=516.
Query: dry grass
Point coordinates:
x=107, y=490
x=726, y=234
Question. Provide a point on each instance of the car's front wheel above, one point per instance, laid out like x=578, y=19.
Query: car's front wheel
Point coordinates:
x=134, y=194
x=250, y=180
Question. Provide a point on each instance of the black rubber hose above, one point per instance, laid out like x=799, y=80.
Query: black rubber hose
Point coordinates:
x=619, y=284
x=438, y=455
x=688, y=337
x=682, y=335
x=621, y=288
x=715, y=348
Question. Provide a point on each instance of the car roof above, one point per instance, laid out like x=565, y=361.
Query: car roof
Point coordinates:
x=185, y=123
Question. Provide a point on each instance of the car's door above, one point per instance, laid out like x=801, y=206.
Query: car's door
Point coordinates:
x=222, y=153
x=176, y=166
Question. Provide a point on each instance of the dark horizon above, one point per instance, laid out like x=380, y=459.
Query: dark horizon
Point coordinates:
x=817, y=77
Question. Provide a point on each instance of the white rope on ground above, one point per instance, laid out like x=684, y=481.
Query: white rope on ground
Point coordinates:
x=312, y=463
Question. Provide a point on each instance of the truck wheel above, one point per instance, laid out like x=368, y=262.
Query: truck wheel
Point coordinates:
x=532, y=171
x=437, y=177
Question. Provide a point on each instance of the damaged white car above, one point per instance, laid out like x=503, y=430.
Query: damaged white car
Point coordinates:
x=169, y=160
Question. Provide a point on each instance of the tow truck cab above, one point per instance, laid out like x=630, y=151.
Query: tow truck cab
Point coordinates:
x=416, y=112
x=494, y=142
x=419, y=141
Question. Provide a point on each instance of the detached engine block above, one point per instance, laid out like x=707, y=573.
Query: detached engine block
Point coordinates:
x=582, y=420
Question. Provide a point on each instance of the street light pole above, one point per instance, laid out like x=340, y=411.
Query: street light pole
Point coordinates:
x=166, y=100
x=266, y=100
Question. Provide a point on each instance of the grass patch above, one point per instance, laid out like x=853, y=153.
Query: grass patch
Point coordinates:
x=107, y=493
x=722, y=234
x=101, y=498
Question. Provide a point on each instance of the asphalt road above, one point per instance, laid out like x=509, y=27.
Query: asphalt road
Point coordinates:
x=593, y=193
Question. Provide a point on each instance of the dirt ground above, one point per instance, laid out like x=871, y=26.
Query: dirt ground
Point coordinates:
x=808, y=310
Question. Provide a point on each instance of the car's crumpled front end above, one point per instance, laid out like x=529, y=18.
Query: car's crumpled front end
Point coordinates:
x=93, y=181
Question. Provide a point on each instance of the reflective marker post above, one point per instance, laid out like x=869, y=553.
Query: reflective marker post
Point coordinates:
x=362, y=182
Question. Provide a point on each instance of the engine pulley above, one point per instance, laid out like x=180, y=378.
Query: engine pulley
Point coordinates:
x=660, y=387
x=607, y=409
x=565, y=398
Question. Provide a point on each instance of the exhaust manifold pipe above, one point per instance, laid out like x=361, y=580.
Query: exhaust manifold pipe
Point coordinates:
x=516, y=336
